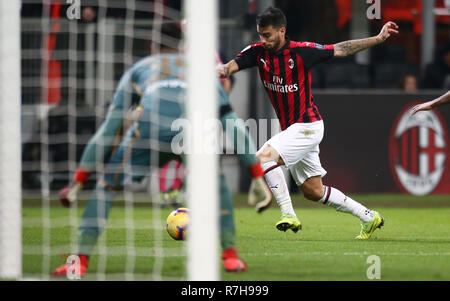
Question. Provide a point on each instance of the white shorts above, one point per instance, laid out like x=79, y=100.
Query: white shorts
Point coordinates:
x=298, y=146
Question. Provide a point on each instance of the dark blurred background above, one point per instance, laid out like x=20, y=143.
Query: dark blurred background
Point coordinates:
x=70, y=67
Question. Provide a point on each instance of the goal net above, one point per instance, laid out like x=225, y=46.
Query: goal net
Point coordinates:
x=73, y=55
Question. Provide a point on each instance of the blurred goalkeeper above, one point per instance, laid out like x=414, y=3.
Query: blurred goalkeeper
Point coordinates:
x=155, y=86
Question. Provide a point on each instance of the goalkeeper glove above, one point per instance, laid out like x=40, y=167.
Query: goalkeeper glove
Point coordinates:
x=171, y=197
x=68, y=195
x=259, y=194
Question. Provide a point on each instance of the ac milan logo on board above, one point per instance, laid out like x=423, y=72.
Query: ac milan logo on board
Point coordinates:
x=417, y=150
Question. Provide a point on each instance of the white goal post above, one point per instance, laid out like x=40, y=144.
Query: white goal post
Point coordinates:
x=10, y=146
x=202, y=163
x=202, y=180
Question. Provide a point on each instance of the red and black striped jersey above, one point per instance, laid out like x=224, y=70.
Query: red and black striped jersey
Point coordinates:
x=286, y=76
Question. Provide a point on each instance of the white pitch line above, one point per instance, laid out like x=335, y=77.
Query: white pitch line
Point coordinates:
x=59, y=222
x=350, y=254
x=112, y=251
x=109, y=276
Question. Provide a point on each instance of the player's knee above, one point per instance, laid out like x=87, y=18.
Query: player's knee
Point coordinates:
x=262, y=153
x=312, y=193
x=266, y=154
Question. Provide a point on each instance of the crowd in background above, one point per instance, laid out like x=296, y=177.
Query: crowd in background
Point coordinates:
x=392, y=66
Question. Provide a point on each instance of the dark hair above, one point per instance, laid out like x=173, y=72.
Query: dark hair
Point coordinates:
x=271, y=16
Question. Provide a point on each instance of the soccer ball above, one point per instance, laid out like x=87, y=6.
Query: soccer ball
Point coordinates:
x=177, y=223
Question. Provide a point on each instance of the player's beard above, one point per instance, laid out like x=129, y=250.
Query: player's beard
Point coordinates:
x=274, y=48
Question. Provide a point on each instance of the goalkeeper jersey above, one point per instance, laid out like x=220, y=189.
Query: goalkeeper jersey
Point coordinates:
x=155, y=90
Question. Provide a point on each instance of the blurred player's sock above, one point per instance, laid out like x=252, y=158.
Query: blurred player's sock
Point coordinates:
x=275, y=179
x=336, y=199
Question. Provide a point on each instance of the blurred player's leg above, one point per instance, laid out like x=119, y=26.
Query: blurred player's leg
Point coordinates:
x=96, y=213
x=92, y=225
x=231, y=260
x=228, y=230
x=94, y=219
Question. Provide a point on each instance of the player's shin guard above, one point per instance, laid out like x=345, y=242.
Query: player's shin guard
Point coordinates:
x=336, y=199
x=277, y=183
x=94, y=219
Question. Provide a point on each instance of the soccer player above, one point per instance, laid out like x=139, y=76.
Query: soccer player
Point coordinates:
x=157, y=84
x=285, y=71
x=443, y=99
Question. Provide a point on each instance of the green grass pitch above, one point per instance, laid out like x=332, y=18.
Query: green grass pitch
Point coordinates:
x=414, y=243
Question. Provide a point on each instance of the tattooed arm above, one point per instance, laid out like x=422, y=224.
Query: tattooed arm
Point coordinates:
x=347, y=48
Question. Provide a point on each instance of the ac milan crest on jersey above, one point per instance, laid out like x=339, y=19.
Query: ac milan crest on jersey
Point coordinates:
x=417, y=151
x=291, y=63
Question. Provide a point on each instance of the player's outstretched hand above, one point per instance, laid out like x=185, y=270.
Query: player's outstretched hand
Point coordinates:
x=388, y=29
x=259, y=194
x=221, y=71
x=68, y=195
x=421, y=107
